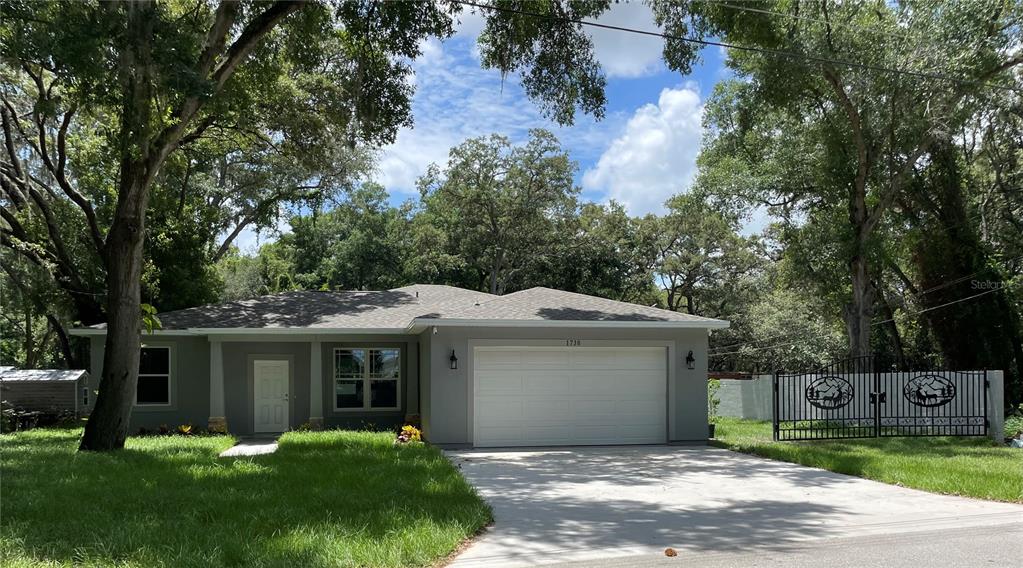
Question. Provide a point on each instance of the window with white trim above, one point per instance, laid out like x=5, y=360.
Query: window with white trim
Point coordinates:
x=367, y=378
x=154, y=377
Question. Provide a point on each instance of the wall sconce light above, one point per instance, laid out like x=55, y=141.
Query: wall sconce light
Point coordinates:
x=690, y=361
x=454, y=360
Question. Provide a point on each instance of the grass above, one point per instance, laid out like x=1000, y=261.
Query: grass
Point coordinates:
x=971, y=467
x=323, y=499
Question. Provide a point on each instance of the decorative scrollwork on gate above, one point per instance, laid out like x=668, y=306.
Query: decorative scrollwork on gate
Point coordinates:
x=829, y=392
x=929, y=391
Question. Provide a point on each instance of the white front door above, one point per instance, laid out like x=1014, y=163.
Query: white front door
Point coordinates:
x=553, y=396
x=271, y=394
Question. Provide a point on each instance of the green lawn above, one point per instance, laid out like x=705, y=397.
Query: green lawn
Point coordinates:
x=324, y=499
x=973, y=467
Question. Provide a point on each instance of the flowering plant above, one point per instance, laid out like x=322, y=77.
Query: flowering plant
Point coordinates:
x=409, y=434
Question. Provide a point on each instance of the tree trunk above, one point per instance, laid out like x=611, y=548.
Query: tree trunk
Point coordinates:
x=30, y=349
x=107, y=427
x=495, y=270
x=860, y=309
x=64, y=342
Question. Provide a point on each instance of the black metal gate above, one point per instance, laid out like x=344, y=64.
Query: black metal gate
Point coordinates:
x=855, y=398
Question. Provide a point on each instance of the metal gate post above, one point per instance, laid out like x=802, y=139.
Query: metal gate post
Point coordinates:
x=987, y=419
x=876, y=396
x=774, y=396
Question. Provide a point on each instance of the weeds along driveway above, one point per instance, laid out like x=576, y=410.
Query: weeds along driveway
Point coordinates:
x=560, y=505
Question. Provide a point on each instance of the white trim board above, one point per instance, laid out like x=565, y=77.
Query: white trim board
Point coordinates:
x=420, y=324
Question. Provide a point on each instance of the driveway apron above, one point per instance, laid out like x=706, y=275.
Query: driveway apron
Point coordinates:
x=556, y=505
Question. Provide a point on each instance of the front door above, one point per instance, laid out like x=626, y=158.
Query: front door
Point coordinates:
x=271, y=395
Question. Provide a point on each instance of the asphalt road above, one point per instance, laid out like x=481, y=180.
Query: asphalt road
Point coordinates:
x=994, y=546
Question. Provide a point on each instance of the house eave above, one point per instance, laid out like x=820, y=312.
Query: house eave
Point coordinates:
x=420, y=324
x=87, y=332
x=297, y=330
x=94, y=332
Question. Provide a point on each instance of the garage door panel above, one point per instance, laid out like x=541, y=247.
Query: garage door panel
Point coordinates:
x=545, y=360
x=593, y=409
x=640, y=411
x=589, y=383
x=539, y=435
x=569, y=396
x=501, y=436
x=556, y=411
x=618, y=359
x=547, y=384
x=495, y=359
x=495, y=412
x=499, y=382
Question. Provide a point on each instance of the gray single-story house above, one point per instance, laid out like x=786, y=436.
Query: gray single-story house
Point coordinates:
x=532, y=368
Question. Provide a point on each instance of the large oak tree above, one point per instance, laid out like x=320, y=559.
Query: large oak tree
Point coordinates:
x=97, y=97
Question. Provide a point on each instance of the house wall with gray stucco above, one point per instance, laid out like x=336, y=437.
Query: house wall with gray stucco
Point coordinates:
x=190, y=380
x=450, y=391
x=189, y=385
x=238, y=380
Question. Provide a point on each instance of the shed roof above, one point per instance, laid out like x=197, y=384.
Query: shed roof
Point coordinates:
x=40, y=375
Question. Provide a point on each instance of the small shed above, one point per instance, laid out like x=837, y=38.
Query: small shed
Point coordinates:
x=46, y=390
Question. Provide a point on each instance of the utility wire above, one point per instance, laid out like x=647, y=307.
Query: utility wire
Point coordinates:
x=761, y=50
x=833, y=23
x=914, y=295
x=874, y=324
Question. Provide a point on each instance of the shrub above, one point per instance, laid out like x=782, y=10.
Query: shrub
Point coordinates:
x=1014, y=422
x=14, y=419
x=713, y=385
x=185, y=429
x=409, y=434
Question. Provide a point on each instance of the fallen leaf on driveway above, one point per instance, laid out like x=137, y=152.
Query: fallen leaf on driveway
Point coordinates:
x=670, y=552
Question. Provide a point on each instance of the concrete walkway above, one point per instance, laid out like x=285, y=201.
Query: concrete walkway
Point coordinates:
x=251, y=446
x=595, y=504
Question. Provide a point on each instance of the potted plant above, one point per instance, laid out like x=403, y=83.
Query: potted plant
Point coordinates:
x=713, y=385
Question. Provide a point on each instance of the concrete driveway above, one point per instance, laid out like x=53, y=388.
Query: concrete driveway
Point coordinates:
x=604, y=503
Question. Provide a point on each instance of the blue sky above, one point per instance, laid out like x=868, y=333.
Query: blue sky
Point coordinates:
x=642, y=152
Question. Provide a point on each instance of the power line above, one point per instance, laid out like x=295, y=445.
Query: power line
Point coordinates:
x=874, y=324
x=761, y=50
x=835, y=23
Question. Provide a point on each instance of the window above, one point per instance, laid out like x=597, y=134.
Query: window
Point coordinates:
x=366, y=379
x=85, y=396
x=154, y=377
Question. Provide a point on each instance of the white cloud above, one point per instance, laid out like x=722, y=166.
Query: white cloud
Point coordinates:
x=455, y=99
x=625, y=54
x=655, y=155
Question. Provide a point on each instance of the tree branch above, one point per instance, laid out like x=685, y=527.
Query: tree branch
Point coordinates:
x=261, y=25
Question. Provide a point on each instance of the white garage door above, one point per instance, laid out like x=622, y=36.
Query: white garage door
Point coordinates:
x=549, y=396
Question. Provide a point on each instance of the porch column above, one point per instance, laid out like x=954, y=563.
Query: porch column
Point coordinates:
x=315, y=386
x=218, y=419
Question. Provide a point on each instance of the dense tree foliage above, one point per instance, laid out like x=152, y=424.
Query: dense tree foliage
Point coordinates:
x=102, y=100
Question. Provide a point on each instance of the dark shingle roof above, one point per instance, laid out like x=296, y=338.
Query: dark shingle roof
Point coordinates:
x=396, y=309
x=546, y=304
x=388, y=309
